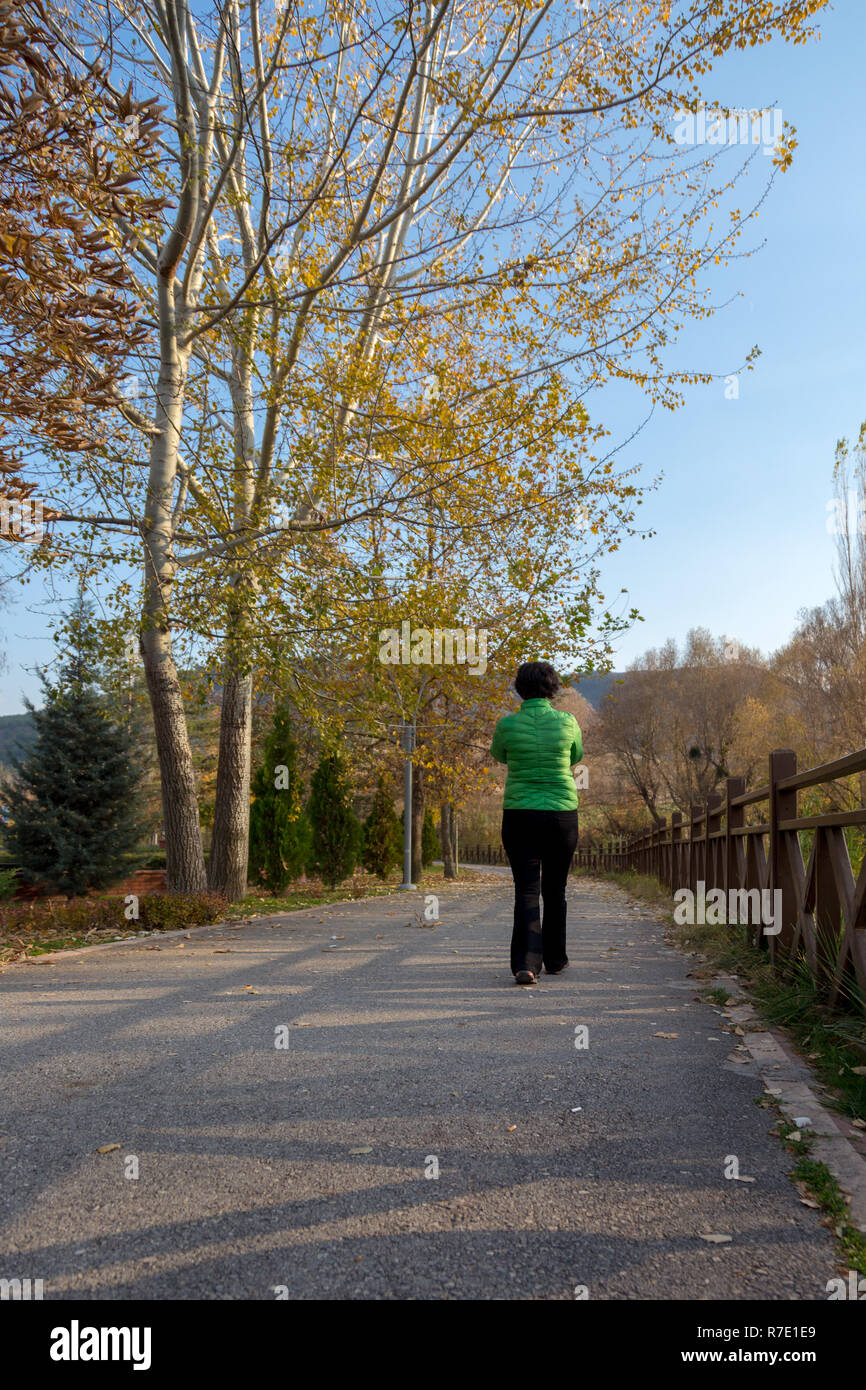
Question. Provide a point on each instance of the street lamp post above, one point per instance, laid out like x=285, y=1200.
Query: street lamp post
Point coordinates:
x=407, y=740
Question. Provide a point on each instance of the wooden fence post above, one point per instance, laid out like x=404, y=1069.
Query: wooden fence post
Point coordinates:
x=693, y=851
x=734, y=816
x=783, y=806
x=676, y=851
x=712, y=824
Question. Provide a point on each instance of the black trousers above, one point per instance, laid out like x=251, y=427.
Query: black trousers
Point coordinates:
x=540, y=846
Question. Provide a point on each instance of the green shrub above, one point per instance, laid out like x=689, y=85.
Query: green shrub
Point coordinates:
x=336, y=828
x=429, y=840
x=280, y=831
x=171, y=911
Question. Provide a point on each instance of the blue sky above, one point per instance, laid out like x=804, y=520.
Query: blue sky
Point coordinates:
x=740, y=516
x=741, y=513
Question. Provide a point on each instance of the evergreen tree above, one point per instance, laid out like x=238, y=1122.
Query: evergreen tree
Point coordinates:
x=71, y=810
x=429, y=840
x=279, y=827
x=382, y=845
x=336, y=829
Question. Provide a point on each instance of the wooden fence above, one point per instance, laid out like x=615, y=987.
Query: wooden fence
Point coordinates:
x=483, y=854
x=823, y=906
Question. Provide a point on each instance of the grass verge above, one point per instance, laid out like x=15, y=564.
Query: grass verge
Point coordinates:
x=817, y=1186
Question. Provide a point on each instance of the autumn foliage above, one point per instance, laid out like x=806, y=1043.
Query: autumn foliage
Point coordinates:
x=67, y=319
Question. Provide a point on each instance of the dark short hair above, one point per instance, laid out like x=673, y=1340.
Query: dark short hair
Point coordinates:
x=536, y=680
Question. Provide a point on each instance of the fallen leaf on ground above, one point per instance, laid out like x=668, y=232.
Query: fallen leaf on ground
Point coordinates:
x=714, y=1238
x=365, y=1149
x=250, y=989
x=665, y=1035
x=511, y=1128
x=107, y=1148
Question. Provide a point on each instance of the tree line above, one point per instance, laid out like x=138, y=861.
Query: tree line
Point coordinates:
x=71, y=812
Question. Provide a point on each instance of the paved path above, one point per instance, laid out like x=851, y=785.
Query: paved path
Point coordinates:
x=305, y=1168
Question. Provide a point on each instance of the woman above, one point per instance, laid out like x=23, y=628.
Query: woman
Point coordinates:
x=540, y=745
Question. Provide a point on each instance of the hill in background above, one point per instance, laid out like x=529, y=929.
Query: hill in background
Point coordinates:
x=594, y=689
x=15, y=729
x=18, y=728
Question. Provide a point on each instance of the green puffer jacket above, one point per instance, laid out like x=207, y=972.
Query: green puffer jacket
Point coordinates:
x=540, y=745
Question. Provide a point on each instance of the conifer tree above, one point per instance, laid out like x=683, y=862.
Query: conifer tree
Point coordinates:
x=71, y=809
x=429, y=840
x=336, y=828
x=382, y=842
x=279, y=827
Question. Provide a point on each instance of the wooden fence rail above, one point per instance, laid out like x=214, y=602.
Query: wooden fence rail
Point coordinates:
x=822, y=915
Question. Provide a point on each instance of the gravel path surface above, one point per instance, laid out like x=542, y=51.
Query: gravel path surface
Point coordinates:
x=308, y=1169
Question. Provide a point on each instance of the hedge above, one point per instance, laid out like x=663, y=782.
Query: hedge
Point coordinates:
x=156, y=912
